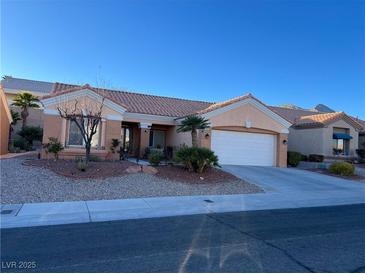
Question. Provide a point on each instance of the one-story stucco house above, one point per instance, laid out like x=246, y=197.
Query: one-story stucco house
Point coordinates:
x=242, y=130
x=146, y=120
x=333, y=134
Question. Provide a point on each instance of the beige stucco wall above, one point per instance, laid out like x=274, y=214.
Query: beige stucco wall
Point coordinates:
x=5, y=124
x=84, y=101
x=241, y=114
x=320, y=140
x=177, y=139
x=306, y=141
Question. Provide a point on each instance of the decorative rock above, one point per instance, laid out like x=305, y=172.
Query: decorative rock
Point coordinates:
x=133, y=169
x=149, y=170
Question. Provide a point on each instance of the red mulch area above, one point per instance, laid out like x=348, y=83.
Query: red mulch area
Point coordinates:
x=95, y=170
x=326, y=172
x=211, y=175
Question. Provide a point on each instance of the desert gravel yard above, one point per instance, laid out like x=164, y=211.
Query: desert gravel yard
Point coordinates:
x=27, y=184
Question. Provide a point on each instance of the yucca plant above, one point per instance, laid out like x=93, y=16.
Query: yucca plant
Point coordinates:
x=192, y=123
x=25, y=101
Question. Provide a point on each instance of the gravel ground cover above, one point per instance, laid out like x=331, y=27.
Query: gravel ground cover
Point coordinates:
x=26, y=184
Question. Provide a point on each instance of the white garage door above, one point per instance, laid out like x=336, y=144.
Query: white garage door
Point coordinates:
x=241, y=148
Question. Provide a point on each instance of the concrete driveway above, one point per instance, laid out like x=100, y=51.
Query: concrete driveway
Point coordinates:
x=293, y=181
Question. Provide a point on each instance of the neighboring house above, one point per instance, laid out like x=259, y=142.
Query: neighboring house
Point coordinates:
x=13, y=86
x=5, y=122
x=330, y=134
x=243, y=130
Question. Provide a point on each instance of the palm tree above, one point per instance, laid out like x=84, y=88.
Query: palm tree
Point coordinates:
x=193, y=123
x=25, y=101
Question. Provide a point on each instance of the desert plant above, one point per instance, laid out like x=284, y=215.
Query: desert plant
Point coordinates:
x=316, y=158
x=81, y=164
x=53, y=146
x=155, y=158
x=196, y=159
x=15, y=116
x=193, y=123
x=342, y=168
x=25, y=101
x=294, y=158
x=31, y=134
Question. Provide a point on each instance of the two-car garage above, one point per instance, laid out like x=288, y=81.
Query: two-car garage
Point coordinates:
x=244, y=148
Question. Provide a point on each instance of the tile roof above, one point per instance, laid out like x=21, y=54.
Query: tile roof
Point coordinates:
x=26, y=85
x=323, y=119
x=141, y=103
x=224, y=103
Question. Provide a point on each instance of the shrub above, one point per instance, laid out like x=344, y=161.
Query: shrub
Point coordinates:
x=81, y=164
x=196, y=159
x=31, y=134
x=342, y=168
x=294, y=158
x=53, y=146
x=155, y=158
x=304, y=158
x=316, y=158
x=21, y=143
x=361, y=153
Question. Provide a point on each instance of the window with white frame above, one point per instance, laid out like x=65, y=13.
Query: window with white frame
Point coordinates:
x=75, y=136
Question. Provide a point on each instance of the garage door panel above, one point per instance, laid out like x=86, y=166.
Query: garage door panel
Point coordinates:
x=242, y=148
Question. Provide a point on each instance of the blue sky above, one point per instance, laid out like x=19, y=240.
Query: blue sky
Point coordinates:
x=299, y=52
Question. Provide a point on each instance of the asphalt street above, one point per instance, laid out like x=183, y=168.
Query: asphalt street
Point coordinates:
x=323, y=239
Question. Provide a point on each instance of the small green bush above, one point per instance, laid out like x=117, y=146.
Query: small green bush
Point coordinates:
x=21, y=143
x=294, y=158
x=31, y=134
x=155, y=158
x=316, y=158
x=196, y=159
x=342, y=168
x=53, y=146
x=81, y=164
x=304, y=158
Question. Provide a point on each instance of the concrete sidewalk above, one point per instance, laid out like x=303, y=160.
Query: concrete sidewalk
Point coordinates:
x=39, y=214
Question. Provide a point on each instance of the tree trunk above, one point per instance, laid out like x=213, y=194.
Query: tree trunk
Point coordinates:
x=87, y=154
x=194, y=138
x=24, y=115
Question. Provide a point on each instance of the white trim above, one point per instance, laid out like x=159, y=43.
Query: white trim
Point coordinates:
x=114, y=117
x=51, y=111
x=149, y=118
x=253, y=102
x=84, y=92
x=285, y=131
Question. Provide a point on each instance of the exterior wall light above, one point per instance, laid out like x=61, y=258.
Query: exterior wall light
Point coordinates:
x=285, y=142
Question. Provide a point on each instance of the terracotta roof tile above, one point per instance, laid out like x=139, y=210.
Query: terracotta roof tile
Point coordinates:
x=141, y=103
x=323, y=119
